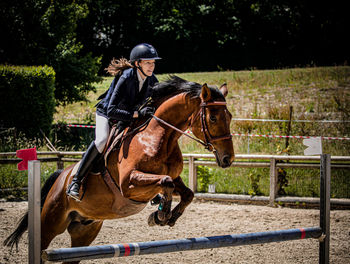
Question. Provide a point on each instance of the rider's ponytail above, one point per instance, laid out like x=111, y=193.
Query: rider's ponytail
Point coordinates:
x=118, y=66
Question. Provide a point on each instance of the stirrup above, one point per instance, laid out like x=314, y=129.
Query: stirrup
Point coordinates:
x=69, y=194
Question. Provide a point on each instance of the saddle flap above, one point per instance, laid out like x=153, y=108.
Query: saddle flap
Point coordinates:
x=113, y=142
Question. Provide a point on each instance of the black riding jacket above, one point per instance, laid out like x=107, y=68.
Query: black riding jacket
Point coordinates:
x=123, y=96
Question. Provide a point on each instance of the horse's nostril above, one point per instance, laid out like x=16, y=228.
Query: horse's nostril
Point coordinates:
x=226, y=160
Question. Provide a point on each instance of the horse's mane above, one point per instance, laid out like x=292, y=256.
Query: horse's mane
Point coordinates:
x=176, y=85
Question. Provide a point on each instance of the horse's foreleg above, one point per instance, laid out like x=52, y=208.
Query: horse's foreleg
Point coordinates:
x=186, y=198
x=144, y=186
x=83, y=233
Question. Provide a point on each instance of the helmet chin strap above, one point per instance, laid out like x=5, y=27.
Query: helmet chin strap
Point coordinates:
x=138, y=67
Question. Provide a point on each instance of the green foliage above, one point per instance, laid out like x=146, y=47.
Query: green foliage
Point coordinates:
x=254, y=179
x=75, y=72
x=191, y=35
x=197, y=35
x=11, y=140
x=27, y=98
x=71, y=138
x=204, y=176
x=44, y=33
x=12, y=179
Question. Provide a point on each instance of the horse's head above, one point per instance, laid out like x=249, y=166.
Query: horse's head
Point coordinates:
x=212, y=124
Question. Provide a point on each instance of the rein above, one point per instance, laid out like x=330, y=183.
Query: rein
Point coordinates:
x=179, y=130
x=208, y=138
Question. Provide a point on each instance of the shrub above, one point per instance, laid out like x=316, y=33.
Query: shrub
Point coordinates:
x=204, y=175
x=27, y=99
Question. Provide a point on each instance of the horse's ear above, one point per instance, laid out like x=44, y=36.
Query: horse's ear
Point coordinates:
x=223, y=89
x=206, y=93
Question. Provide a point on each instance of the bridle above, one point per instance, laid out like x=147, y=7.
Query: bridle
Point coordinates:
x=208, y=138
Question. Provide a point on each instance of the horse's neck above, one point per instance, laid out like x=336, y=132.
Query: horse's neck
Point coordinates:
x=178, y=111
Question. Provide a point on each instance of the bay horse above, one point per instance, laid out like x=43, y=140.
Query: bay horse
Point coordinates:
x=147, y=163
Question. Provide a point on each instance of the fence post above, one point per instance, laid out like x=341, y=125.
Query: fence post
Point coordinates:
x=34, y=224
x=60, y=162
x=192, y=174
x=325, y=183
x=273, y=181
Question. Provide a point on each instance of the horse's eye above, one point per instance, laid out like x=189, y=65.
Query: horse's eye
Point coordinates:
x=212, y=118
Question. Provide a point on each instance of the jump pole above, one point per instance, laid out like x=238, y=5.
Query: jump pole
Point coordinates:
x=166, y=246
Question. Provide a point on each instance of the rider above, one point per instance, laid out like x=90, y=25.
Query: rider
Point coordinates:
x=130, y=87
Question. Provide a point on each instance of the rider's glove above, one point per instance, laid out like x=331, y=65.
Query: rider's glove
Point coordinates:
x=146, y=111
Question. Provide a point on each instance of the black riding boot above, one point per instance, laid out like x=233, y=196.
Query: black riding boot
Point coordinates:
x=89, y=157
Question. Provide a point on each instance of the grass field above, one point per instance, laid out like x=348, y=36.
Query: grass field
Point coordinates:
x=320, y=93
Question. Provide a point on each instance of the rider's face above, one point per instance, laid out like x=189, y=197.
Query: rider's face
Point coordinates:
x=148, y=66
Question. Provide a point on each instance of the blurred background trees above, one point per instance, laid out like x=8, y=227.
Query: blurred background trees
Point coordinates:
x=79, y=38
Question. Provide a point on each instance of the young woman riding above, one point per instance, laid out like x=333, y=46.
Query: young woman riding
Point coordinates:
x=130, y=87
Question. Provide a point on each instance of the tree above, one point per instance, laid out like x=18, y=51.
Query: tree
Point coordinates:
x=38, y=32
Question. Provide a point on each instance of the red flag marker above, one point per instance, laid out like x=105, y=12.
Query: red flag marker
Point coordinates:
x=25, y=155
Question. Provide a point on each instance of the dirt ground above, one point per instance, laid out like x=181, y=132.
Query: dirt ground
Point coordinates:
x=204, y=219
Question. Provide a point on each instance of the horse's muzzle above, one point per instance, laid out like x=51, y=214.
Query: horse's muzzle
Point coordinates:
x=224, y=161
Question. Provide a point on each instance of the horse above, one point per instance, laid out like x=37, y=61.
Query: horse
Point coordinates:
x=146, y=164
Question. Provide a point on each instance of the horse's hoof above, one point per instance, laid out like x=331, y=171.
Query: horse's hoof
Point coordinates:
x=171, y=223
x=173, y=219
x=163, y=216
x=152, y=219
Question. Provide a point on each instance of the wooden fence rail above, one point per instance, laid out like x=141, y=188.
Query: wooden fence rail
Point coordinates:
x=242, y=160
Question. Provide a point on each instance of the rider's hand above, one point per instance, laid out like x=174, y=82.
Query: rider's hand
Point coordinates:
x=146, y=111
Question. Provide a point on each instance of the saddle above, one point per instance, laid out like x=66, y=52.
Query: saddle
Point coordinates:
x=114, y=142
x=100, y=166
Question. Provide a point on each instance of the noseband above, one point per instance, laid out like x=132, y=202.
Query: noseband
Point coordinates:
x=208, y=138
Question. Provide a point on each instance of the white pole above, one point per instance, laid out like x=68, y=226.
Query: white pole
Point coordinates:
x=273, y=182
x=34, y=224
x=192, y=174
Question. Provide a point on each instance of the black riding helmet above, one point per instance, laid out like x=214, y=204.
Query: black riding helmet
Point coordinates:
x=143, y=51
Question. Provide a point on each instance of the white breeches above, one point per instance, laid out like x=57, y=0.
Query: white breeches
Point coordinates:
x=101, y=132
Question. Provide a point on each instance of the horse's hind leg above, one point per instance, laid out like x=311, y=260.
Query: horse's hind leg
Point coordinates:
x=54, y=221
x=83, y=232
x=144, y=186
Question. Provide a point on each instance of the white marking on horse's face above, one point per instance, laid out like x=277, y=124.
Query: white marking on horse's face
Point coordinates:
x=149, y=142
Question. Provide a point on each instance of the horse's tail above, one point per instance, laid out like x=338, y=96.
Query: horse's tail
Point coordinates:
x=16, y=235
